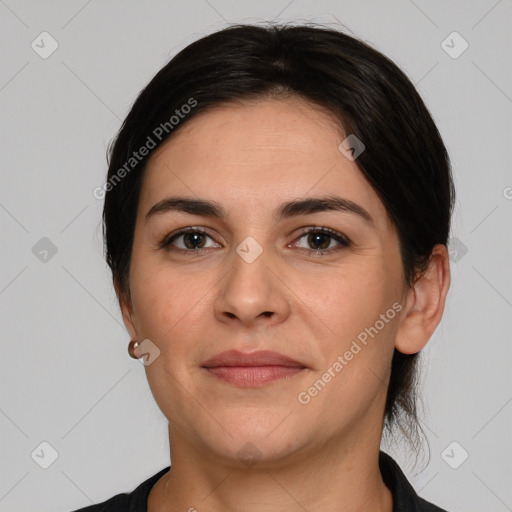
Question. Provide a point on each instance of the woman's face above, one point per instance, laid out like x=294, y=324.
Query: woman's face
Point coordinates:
x=256, y=280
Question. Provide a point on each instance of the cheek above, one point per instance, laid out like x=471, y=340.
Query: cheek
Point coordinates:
x=356, y=304
x=349, y=299
x=157, y=302
x=171, y=304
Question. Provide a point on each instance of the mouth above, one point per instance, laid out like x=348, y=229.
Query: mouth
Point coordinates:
x=252, y=376
x=254, y=369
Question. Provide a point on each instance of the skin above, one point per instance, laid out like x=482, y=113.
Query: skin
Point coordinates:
x=251, y=157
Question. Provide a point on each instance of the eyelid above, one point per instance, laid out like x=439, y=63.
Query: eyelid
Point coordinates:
x=343, y=240
x=168, y=239
x=328, y=231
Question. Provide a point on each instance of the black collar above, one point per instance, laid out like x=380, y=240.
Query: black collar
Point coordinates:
x=405, y=498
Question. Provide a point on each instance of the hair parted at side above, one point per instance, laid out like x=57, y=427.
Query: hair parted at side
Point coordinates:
x=405, y=159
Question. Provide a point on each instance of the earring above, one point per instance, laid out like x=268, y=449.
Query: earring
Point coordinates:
x=131, y=348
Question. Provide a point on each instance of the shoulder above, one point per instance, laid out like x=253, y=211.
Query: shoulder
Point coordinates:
x=405, y=498
x=135, y=501
x=118, y=503
x=426, y=506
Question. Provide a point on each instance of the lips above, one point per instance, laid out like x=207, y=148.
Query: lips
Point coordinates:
x=252, y=370
x=259, y=358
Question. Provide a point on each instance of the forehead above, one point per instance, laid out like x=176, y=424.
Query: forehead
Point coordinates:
x=255, y=153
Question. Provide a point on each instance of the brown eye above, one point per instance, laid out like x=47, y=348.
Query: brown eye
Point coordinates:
x=318, y=240
x=322, y=240
x=193, y=240
x=188, y=240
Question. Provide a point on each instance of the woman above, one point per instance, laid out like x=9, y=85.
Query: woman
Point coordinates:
x=276, y=217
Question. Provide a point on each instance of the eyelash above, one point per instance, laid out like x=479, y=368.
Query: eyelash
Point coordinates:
x=165, y=243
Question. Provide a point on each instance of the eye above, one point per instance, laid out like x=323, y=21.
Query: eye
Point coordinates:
x=187, y=239
x=194, y=240
x=322, y=240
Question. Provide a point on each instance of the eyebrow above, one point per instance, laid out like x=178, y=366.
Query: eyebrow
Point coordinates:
x=286, y=210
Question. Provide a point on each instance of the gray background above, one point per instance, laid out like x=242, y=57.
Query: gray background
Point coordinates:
x=66, y=377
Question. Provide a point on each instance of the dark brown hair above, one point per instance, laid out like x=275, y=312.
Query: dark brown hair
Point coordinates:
x=405, y=160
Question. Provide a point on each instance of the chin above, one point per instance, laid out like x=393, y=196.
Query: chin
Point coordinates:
x=256, y=445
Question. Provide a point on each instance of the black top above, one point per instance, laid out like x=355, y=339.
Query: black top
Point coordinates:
x=405, y=498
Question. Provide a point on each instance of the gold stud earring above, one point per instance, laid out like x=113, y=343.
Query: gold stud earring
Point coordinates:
x=131, y=348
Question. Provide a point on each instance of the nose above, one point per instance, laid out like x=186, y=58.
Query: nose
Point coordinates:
x=252, y=293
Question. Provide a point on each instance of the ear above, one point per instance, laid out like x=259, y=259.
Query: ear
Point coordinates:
x=127, y=311
x=425, y=304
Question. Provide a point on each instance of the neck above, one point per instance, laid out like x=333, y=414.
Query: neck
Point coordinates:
x=332, y=479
